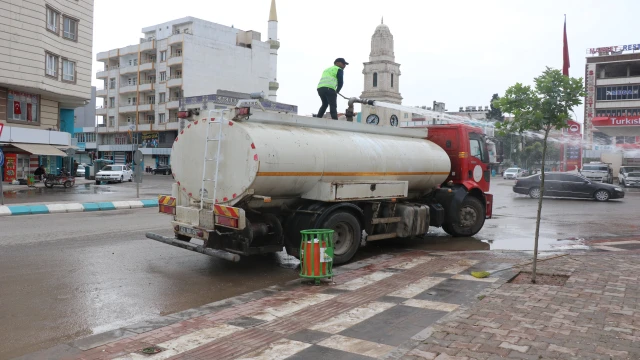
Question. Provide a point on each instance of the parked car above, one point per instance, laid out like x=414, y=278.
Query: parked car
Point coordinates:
x=624, y=173
x=81, y=171
x=631, y=179
x=512, y=173
x=162, y=169
x=114, y=173
x=567, y=185
x=598, y=171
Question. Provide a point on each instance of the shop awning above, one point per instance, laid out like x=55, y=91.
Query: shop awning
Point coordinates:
x=40, y=149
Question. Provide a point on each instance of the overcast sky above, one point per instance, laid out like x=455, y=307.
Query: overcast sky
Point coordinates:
x=458, y=52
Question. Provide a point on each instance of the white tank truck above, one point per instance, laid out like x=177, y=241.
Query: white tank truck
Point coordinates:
x=248, y=180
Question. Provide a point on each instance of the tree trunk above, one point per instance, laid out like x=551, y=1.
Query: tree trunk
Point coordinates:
x=535, y=244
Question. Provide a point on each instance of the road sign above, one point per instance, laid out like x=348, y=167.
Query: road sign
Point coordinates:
x=1, y=156
x=138, y=157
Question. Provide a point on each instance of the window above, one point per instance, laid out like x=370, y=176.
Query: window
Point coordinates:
x=129, y=119
x=151, y=99
x=68, y=70
x=163, y=76
x=161, y=118
x=112, y=102
x=132, y=81
x=177, y=74
x=51, y=67
x=406, y=115
x=133, y=62
x=477, y=148
x=70, y=30
x=111, y=121
x=553, y=177
x=375, y=79
x=151, y=119
x=22, y=107
x=162, y=98
x=53, y=19
x=163, y=56
x=112, y=83
x=625, y=92
x=573, y=178
x=131, y=101
x=391, y=80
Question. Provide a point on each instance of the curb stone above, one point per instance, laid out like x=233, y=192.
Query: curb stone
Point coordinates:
x=14, y=210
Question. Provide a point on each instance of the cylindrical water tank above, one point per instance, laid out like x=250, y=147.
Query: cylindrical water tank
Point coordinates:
x=287, y=161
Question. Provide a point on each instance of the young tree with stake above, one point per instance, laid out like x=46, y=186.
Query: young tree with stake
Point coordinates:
x=545, y=106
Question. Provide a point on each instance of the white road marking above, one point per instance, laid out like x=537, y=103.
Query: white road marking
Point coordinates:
x=620, y=242
x=277, y=350
x=292, y=306
x=356, y=346
x=608, y=248
x=413, y=263
x=431, y=305
x=364, y=281
x=459, y=266
x=354, y=316
x=469, y=277
x=417, y=287
x=186, y=342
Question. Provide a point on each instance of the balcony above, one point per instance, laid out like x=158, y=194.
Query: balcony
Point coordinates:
x=102, y=56
x=147, y=45
x=175, y=39
x=145, y=106
x=129, y=69
x=128, y=89
x=173, y=103
x=146, y=85
x=147, y=65
x=101, y=111
x=174, y=81
x=101, y=93
x=102, y=74
x=175, y=59
x=144, y=127
x=128, y=109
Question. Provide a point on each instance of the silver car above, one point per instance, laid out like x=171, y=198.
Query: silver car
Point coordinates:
x=632, y=180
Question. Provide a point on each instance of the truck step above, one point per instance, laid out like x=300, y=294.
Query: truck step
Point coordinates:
x=381, y=236
x=386, y=220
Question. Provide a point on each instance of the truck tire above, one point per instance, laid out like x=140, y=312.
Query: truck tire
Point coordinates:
x=470, y=219
x=346, y=237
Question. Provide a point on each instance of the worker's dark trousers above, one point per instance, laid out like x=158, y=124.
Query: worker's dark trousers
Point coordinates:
x=328, y=97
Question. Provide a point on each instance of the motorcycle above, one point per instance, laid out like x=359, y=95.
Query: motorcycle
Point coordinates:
x=63, y=178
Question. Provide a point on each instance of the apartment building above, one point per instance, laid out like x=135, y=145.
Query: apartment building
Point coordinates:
x=45, y=73
x=143, y=83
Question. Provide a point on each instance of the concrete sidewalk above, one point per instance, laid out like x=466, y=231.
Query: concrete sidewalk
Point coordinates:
x=411, y=305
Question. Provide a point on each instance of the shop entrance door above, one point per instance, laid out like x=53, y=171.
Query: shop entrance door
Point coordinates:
x=22, y=168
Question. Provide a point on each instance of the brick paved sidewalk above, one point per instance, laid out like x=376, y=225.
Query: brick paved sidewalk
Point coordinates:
x=412, y=305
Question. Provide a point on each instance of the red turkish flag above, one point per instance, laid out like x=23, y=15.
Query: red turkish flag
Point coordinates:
x=16, y=108
x=565, y=51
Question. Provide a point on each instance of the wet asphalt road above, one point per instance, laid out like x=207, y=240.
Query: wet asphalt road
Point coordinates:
x=66, y=276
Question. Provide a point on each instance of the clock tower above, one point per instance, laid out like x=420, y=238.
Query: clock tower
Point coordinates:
x=382, y=80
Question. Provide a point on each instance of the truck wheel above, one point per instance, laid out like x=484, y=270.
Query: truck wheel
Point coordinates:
x=346, y=237
x=470, y=219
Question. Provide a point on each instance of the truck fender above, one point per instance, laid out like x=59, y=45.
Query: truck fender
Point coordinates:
x=451, y=200
x=357, y=211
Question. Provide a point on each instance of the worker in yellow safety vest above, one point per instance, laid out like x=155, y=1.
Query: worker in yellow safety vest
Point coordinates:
x=329, y=87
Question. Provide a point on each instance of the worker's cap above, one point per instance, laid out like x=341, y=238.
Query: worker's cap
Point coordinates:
x=342, y=60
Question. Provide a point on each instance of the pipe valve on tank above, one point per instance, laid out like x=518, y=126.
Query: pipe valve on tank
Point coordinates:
x=349, y=112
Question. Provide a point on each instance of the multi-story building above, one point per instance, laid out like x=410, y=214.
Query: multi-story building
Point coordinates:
x=84, y=132
x=612, y=104
x=143, y=83
x=45, y=73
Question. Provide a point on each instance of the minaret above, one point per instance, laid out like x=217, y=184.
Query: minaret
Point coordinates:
x=273, y=57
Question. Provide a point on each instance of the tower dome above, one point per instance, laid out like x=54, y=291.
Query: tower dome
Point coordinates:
x=382, y=44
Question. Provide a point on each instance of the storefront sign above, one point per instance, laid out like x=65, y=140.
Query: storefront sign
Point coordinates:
x=614, y=49
x=10, y=167
x=622, y=92
x=82, y=146
x=617, y=121
x=149, y=140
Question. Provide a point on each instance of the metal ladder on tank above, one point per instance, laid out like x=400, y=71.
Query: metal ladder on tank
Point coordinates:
x=214, y=179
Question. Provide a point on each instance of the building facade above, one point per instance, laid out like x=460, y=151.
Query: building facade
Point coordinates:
x=84, y=133
x=382, y=81
x=612, y=104
x=44, y=75
x=143, y=83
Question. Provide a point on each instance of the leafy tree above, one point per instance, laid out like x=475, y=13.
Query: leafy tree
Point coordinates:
x=495, y=113
x=543, y=107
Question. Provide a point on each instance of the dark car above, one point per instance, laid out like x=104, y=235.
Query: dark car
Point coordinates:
x=162, y=169
x=567, y=185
